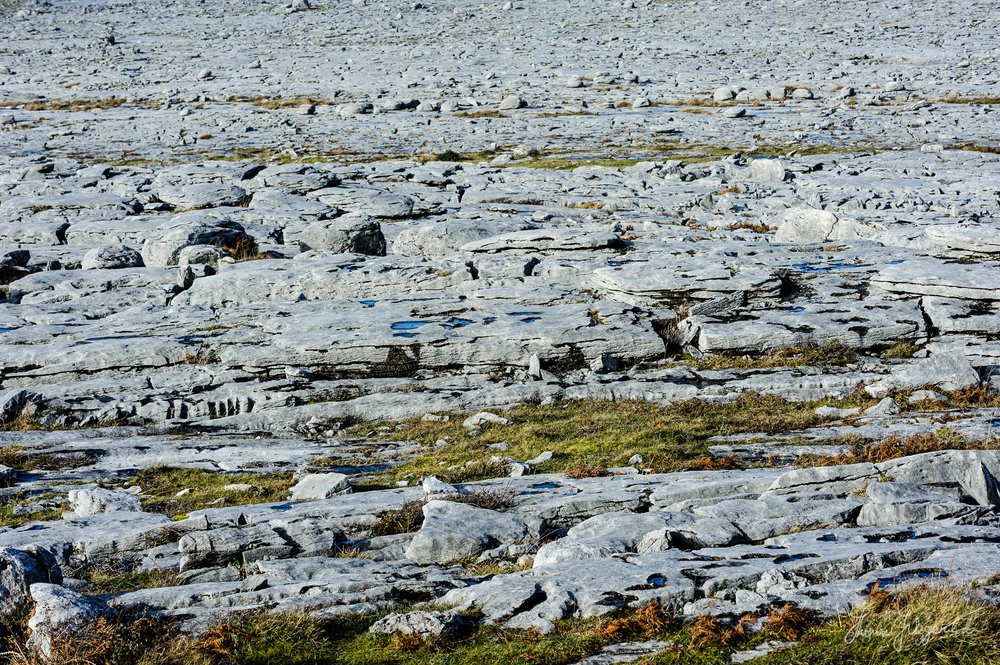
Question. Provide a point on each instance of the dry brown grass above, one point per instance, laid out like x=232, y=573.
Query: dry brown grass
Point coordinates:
x=709, y=463
x=71, y=105
x=891, y=448
x=791, y=622
x=649, y=620
x=587, y=471
x=749, y=226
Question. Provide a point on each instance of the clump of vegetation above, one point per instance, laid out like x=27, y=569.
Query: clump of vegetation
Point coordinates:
x=790, y=622
x=484, y=113
x=200, y=356
x=594, y=433
x=830, y=354
x=988, y=100
x=973, y=147
x=648, y=621
x=584, y=470
x=901, y=350
x=275, y=103
x=71, y=105
x=409, y=517
x=160, y=485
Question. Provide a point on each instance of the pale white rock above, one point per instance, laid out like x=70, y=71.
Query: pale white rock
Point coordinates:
x=810, y=225
x=98, y=501
x=320, y=486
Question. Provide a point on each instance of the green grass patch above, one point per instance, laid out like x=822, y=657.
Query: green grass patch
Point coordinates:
x=108, y=578
x=20, y=510
x=825, y=355
x=161, y=484
x=900, y=351
x=591, y=433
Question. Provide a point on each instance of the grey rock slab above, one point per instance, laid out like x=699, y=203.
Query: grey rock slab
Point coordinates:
x=811, y=225
x=938, y=277
x=320, y=486
x=97, y=501
x=859, y=325
x=626, y=652
x=770, y=515
x=979, y=238
x=974, y=471
x=453, y=531
x=198, y=196
x=656, y=281
x=543, y=240
x=838, y=480
x=948, y=370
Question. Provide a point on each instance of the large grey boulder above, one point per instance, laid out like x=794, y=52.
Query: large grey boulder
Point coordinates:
x=59, y=614
x=98, y=501
x=353, y=233
x=111, y=257
x=165, y=243
x=840, y=480
x=454, y=532
x=19, y=569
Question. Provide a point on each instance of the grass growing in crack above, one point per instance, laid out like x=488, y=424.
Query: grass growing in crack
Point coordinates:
x=73, y=105
x=901, y=350
x=593, y=433
x=972, y=147
x=160, y=485
x=824, y=355
x=410, y=516
x=897, y=446
x=980, y=99
x=23, y=459
x=108, y=579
